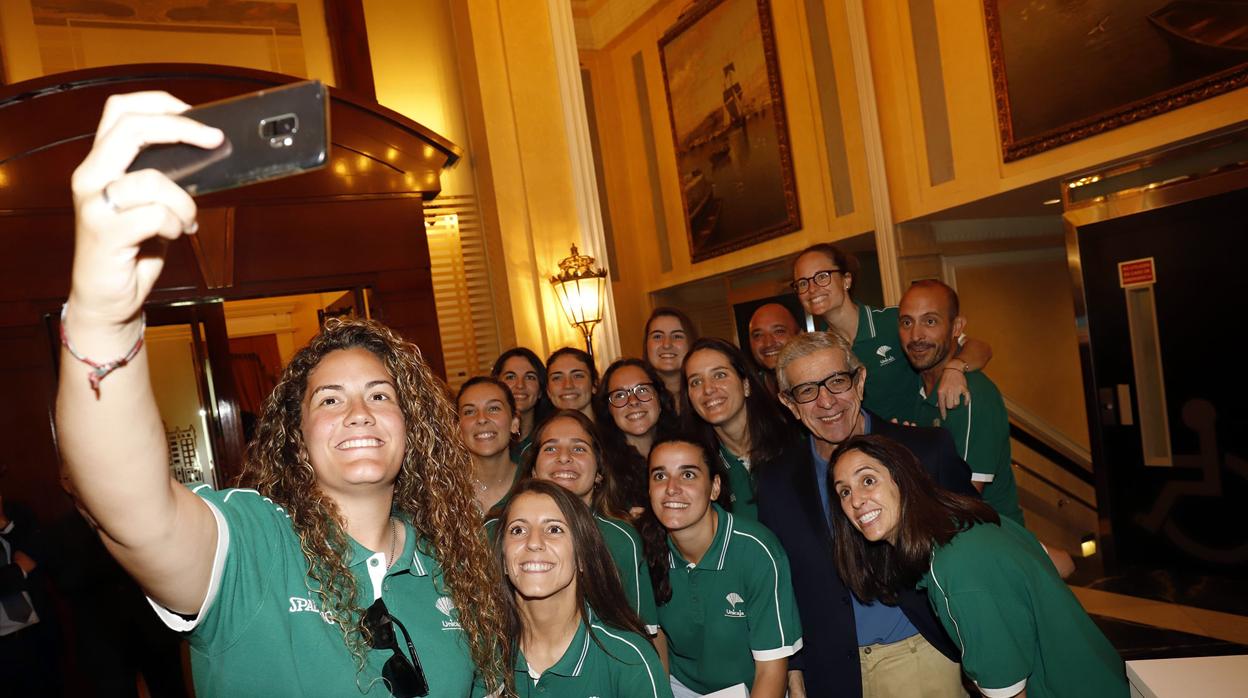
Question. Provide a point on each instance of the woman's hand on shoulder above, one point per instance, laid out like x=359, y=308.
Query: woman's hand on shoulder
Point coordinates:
x=119, y=215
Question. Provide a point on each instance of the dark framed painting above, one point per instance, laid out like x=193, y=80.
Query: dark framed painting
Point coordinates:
x=728, y=125
x=1063, y=71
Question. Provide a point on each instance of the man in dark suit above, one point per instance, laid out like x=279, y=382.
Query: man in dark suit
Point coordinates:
x=850, y=649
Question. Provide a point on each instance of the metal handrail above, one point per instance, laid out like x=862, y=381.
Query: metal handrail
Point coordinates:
x=1041, y=477
x=1046, y=434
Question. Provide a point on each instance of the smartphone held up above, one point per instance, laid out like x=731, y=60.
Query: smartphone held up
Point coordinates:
x=269, y=134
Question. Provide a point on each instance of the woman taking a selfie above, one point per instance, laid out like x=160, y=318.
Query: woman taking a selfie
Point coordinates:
x=571, y=631
x=1021, y=631
x=329, y=577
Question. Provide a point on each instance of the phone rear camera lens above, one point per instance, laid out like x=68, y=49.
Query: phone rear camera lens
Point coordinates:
x=276, y=128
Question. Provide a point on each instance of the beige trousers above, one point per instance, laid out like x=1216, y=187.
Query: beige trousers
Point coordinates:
x=911, y=668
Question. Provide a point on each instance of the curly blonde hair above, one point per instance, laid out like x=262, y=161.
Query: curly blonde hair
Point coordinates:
x=433, y=491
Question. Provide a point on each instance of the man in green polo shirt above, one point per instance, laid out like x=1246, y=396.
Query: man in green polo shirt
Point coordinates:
x=928, y=324
x=260, y=619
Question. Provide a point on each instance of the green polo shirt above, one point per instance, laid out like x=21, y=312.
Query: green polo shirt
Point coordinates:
x=733, y=608
x=740, y=485
x=1017, y=624
x=600, y=661
x=519, y=450
x=262, y=632
x=981, y=433
x=624, y=544
x=891, y=382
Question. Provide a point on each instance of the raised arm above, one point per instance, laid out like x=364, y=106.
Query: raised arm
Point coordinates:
x=974, y=355
x=111, y=436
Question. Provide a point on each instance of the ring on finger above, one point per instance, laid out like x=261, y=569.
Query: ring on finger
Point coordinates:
x=108, y=199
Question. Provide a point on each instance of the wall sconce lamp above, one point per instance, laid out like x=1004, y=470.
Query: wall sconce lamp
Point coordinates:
x=582, y=292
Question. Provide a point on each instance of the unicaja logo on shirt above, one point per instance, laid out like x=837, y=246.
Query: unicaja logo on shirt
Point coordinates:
x=447, y=607
x=885, y=359
x=733, y=599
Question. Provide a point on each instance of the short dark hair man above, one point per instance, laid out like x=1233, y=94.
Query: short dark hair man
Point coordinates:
x=771, y=327
x=929, y=321
x=849, y=646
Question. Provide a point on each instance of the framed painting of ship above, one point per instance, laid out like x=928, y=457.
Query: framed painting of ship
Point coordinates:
x=1066, y=71
x=728, y=126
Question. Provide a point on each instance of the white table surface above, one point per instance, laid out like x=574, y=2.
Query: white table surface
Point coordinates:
x=1206, y=677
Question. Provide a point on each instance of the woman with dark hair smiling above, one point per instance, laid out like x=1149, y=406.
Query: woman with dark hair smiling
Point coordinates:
x=525, y=374
x=1021, y=631
x=571, y=631
x=667, y=336
x=570, y=380
x=727, y=596
x=568, y=452
x=633, y=408
x=731, y=408
x=487, y=422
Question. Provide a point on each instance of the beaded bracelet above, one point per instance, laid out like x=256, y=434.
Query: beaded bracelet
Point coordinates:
x=100, y=370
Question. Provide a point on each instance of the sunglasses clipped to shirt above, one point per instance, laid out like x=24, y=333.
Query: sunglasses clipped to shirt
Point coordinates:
x=405, y=676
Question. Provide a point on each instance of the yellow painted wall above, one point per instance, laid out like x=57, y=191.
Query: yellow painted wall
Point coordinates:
x=415, y=71
x=520, y=147
x=1024, y=308
x=625, y=170
x=979, y=169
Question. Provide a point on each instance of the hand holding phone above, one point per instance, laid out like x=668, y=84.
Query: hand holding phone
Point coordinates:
x=269, y=134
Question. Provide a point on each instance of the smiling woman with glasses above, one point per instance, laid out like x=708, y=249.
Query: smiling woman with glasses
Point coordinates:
x=633, y=408
x=571, y=631
x=360, y=484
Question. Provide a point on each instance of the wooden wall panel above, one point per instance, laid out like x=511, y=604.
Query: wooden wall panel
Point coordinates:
x=356, y=223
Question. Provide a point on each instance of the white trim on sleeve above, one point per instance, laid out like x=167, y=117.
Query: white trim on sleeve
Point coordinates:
x=983, y=477
x=179, y=623
x=778, y=653
x=1007, y=692
x=602, y=629
x=775, y=584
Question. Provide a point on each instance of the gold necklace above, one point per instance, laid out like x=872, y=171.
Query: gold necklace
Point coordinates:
x=394, y=542
x=482, y=487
